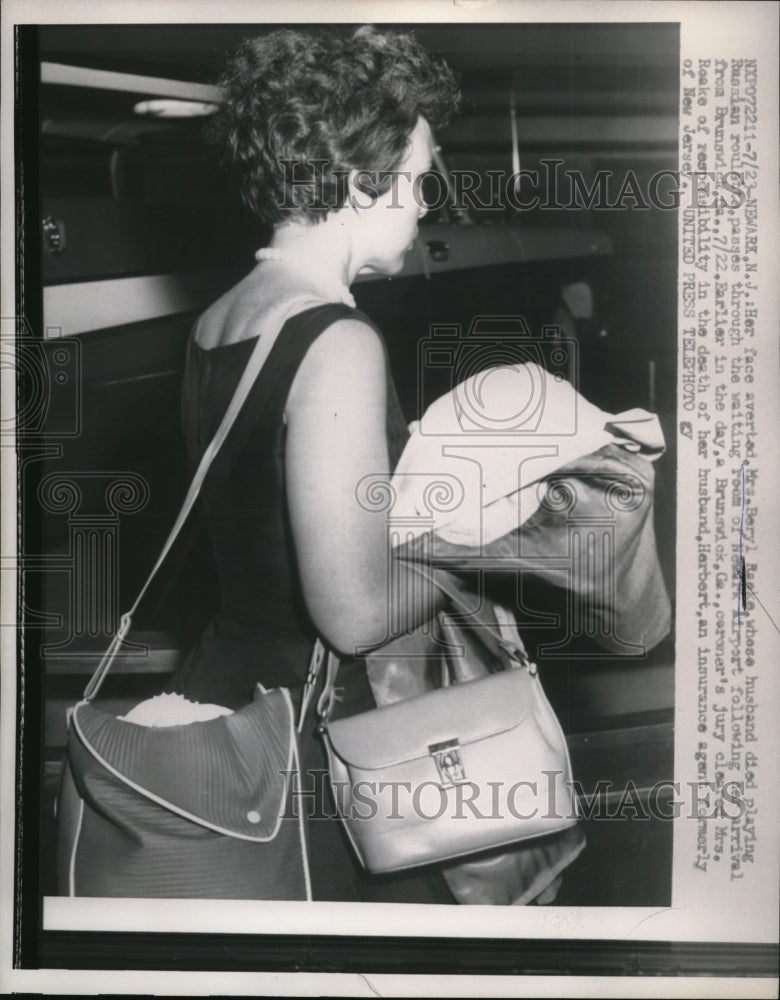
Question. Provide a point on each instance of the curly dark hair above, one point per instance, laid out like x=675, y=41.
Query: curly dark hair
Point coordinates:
x=303, y=108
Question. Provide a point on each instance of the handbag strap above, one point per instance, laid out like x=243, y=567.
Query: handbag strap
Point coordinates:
x=257, y=359
x=505, y=638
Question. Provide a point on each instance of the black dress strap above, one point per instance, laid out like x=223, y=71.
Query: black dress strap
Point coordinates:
x=294, y=340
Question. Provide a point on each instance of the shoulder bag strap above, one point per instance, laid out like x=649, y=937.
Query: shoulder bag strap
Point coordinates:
x=257, y=359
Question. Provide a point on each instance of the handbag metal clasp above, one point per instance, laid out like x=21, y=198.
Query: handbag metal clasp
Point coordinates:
x=449, y=762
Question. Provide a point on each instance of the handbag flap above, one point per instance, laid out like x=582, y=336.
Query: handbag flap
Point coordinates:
x=404, y=731
x=225, y=774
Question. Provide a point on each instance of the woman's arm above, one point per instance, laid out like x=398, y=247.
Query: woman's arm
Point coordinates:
x=336, y=435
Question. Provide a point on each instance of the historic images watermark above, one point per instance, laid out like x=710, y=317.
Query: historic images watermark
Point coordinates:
x=48, y=384
x=547, y=187
x=88, y=506
x=464, y=800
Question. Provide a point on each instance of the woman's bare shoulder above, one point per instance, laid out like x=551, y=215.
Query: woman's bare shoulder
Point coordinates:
x=255, y=306
x=234, y=316
x=347, y=357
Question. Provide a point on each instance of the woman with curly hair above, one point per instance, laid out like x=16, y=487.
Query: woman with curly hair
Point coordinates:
x=327, y=135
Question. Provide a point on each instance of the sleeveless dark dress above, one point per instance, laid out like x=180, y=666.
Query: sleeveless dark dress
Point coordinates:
x=263, y=633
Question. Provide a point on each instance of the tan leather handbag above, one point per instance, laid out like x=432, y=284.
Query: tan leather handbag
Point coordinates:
x=456, y=771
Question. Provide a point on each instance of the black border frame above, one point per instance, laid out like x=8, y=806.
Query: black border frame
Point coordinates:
x=414, y=956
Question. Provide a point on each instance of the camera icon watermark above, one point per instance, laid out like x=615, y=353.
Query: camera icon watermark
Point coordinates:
x=503, y=379
x=47, y=376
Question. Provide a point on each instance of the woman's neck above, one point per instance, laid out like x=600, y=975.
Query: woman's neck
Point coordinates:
x=324, y=248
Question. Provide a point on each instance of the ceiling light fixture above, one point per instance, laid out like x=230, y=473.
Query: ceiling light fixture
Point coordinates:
x=169, y=107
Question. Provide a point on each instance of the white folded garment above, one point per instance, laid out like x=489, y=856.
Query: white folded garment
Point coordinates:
x=172, y=710
x=471, y=468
